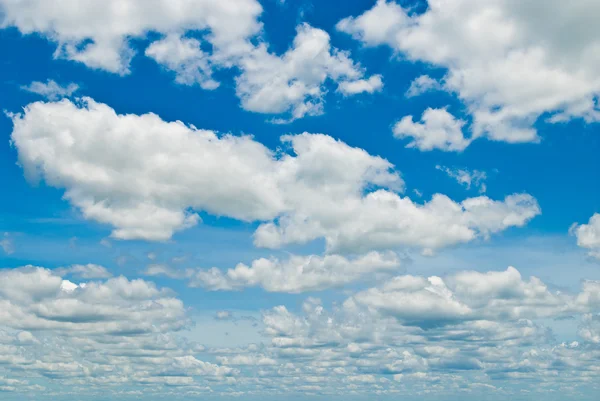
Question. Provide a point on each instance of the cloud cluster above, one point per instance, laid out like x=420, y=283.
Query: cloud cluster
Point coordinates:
x=101, y=36
x=510, y=62
x=147, y=177
x=116, y=332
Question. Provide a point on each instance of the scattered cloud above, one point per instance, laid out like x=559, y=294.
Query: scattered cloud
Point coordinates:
x=438, y=129
x=466, y=177
x=51, y=90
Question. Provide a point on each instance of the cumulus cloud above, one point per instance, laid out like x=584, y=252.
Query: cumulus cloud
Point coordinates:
x=296, y=274
x=510, y=62
x=436, y=330
x=468, y=296
x=185, y=57
x=99, y=36
x=144, y=177
x=438, y=129
x=51, y=90
x=588, y=235
x=294, y=81
x=466, y=177
x=112, y=332
x=371, y=85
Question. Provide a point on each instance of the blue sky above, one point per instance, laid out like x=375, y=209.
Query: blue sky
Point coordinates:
x=333, y=215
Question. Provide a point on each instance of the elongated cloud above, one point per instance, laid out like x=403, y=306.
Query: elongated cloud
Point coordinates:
x=147, y=178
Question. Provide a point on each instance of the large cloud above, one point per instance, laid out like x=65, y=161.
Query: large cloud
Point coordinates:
x=510, y=61
x=146, y=177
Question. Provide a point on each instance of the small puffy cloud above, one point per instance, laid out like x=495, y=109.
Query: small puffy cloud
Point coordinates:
x=51, y=90
x=223, y=315
x=438, y=129
x=184, y=57
x=588, y=235
x=466, y=177
x=371, y=85
x=422, y=84
x=293, y=82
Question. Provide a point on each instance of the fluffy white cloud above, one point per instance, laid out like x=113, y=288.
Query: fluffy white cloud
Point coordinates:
x=438, y=129
x=97, y=33
x=146, y=177
x=588, y=235
x=51, y=90
x=294, y=81
x=371, y=85
x=184, y=57
x=384, y=220
x=472, y=296
x=294, y=275
x=509, y=61
x=466, y=177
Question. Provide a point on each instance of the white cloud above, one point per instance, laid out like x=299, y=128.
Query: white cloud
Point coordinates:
x=51, y=90
x=297, y=274
x=185, y=57
x=144, y=177
x=466, y=177
x=371, y=85
x=98, y=34
x=109, y=25
x=438, y=129
x=384, y=220
x=294, y=81
x=111, y=333
x=588, y=235
x=422, y=84
x=86, y=272
x=510, y=62
x=469, y=296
